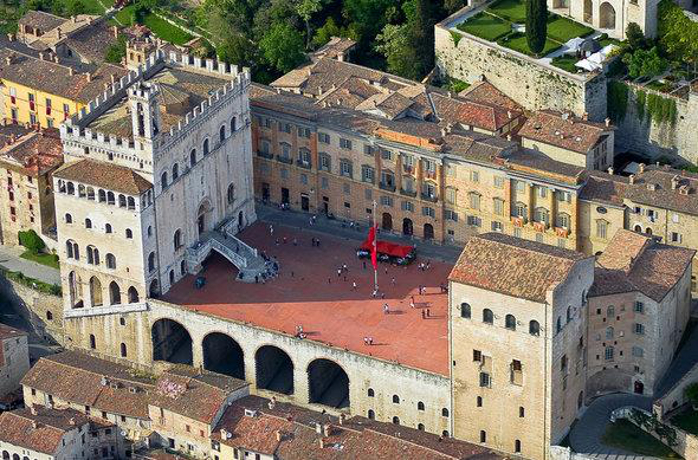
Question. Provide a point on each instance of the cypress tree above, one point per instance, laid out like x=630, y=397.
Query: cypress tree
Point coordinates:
x=536, y=25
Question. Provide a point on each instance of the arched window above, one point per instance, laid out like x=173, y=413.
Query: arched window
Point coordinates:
x=72, y=250
x=609, y=332
x=110, y=198
x=163, y=180
x=487, y=316
x=90, y=193
x=132, y=295
x=478, y=401
x=81, y=191
x=61, y=186
x=192, y=158
x=101, y=196
x=93, y=342
x=92, y=255
x=517, y=446
x=510, y=322
x=420, y=405
x=221, y=133
x=175, y=172
x=177, y=239
x=522, y=412
x=150, y=230
x=88, y=223
x=444, y=412
x=172, y=277
x=396, y=399
x=114, y=293
x=534, y=328
x=131, y=203
x=111, y=261
x=71, y=188
x=558, y=325
x=396, y=420
x=151, y=262
x=611, y=311
x=371, y=393
x=122, y=201
x=206, y=148
x=371, y=414
x=68, y=219
x=233, y=126
x=465, y=310
x=569, y=314
x=129, y=234
x=231, y=193
x=420, y=426
x=107, y=228
x=183, y=267
x=124, y=352
x=483, y=436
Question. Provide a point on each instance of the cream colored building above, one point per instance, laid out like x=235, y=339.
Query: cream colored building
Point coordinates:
x=517, y=328
x=14, y=358
x=639, y=307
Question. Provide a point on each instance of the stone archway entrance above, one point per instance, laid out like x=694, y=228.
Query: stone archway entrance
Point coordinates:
x=274, y=370
x=407, y=227
x=607, y=16
x=171, y=342
x=224, y=355
x=428, y=232
x=387, y=222
x=203, y=219
x=328, y=384
x=588, y=11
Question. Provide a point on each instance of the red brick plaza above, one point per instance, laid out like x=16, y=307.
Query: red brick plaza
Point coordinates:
x=309, y=293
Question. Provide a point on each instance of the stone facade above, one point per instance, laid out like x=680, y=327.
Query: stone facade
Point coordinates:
x=43, y=311
x=610, y=16
x=535, y=85
x=14, y=358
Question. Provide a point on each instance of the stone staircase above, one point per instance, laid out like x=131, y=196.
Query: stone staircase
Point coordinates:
x=249, y=262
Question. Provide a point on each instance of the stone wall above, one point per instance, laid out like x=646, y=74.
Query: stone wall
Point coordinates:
x=675, y=397
x=528, y=81
x=565, y=453
x=676, y=141
x=43, y=311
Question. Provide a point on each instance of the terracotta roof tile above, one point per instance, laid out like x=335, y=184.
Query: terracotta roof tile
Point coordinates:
x=42, y=431
x=92, y=41
x=512, y=266
x=563, y=130
x=8, y=332
x=486, y=93
x=104, y=175
x=41, y=20
x=34, y=152
x=605, y=188
x=653, y=187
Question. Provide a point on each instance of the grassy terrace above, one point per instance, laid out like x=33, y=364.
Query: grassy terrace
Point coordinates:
x=495, y=24
x=158, y=26
x=687, y=421
x=624, y=435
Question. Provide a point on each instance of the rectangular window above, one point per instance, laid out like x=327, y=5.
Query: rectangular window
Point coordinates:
x=451, y=195
x=451, y=215
x=285, y=127
x=369, y=150
x=345, y=143
x=601, y=229
x=347, y=189
x=608, y=354
x=66, y=109
x=304, y=179
x=323, y=138
x=304, y=132
x=497, y=226
x=638, y=352
x=520, y=186
x=498, y=182
x=386, y=154
x=408, y=206
x=324, y=183
x=675, y=218
x=561, y=243
x=477, y=355
x=474, y=221
x=368, y=174
x=427, y=211
x=498, y=206
x=485, y=381
x=639, y=329
x=517, y=232
x=386, y=201
x=284, y=173
x=676, y=237
x=639, y=307
x=267, y=123
x=325, y=162
x=474, y=176
x=474, y=200
x=345, y=168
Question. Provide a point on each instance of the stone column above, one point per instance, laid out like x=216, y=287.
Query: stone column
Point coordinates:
x=553, y=207
x=530, y=189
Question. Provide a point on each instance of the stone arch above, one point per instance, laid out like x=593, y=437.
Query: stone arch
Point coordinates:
x=133, y=295
x=154, y=288
x=274, y=369
x=387, y=222
x=96, y=292
x=588, y=11
x=607, y=16
x=171, y=342
x=428, y=232
x=328, y=384
x=407, y=227
x=224, y=355
x=230, y=195
x=75, y=290
x=114, y=293
x=609, y=381
x=202, y=215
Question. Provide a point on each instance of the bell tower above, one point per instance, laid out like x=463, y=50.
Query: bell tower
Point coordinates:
x=145, y=113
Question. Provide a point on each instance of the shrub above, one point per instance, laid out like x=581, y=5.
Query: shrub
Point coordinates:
x=644, y=63
x=691, y=393
x=536, y=25
x=31, y=241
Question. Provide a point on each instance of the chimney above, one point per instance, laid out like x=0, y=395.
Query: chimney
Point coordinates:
x=224, y=434
x=509, y=137
x=632, y=179
x=607, y=121
x=89, y=76
x=113, y=78
x=74, y=19
x=33, y=410
x=675, y=182
x=610, y=170
x=8, y=60
x=115, y=30
x=509, y=114
x=71, y=421
x=59, y=32
x=71, y=72
x=35, y=424
x=272, y=403
x=41, y=55
x=322, y=443
x=326, y=429
x=11, y=37
x=342, y=417
x=279, y=436
x=585, y=116
x=642, y=168
x=319, y=90
x=450, y=94
x=443, y=132
x=318, y=428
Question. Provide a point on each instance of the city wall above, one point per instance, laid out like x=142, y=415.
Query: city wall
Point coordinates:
x=43, y=311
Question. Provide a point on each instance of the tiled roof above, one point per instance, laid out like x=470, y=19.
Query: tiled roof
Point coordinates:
x=83, y=379
x=512, y=266
x=93, y=41
x=563, y=130
x=333, y=48
x=530, y=161
x=8, y=332
x=653, y=187
x=194, y=394
x=636, y=262
x=486, y=93
x=41, y=430
x=289, y=432
x=35, y=152
x=52, y=78
x=41, y=20
x=104, y=175
x=471, y=113
x=604, y=187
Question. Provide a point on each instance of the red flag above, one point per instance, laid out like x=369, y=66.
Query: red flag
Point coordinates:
x=372, y=241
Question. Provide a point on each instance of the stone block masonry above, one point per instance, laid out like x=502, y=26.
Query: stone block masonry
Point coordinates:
x=44, y=312
x=534, y=84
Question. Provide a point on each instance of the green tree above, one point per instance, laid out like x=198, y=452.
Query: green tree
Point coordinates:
x=31, y=241
x=368, y=17
x=117, y=51
x=635, y=37
x=394, y=44
x=75, y=7
x=234, y=48
x=421, y=36
x=451, y=6
x=327, y=31
x=536, y=25
x=691, y=393
x=282, y=48
x=644, y=63
x=678, y=35
x=306, y=9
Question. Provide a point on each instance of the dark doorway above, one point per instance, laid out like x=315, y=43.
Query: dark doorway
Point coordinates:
x=639, y=388
x=224, y=355
x=328, y=384
x=325, y=205
x=266, y=191
x=428, y=232
x=387, y=221
x=284, y=195
x=200, y=223
x=241, y=221
x=305, y=203
x=171, y=342
x=407, y=227
x=274, y=370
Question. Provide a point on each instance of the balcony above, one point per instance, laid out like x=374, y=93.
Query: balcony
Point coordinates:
x=429, y=197
x=518, y=221
x=410, y=193
x=388, y=187
x=540, y=226
x=303, y=164
x=287, y=160
x=267, y=155
x=562, y=232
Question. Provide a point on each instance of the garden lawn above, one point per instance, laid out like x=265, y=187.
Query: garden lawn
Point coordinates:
x=486, y=26
x=50, y=260
x=166, y=31
x=125, y=15
x=687, y=421
x=563, y=29
x=624, y=435
x=512, y=10
x=566, y=63
x=517, y=42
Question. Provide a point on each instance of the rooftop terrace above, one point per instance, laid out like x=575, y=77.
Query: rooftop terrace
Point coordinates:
x=309, y=292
